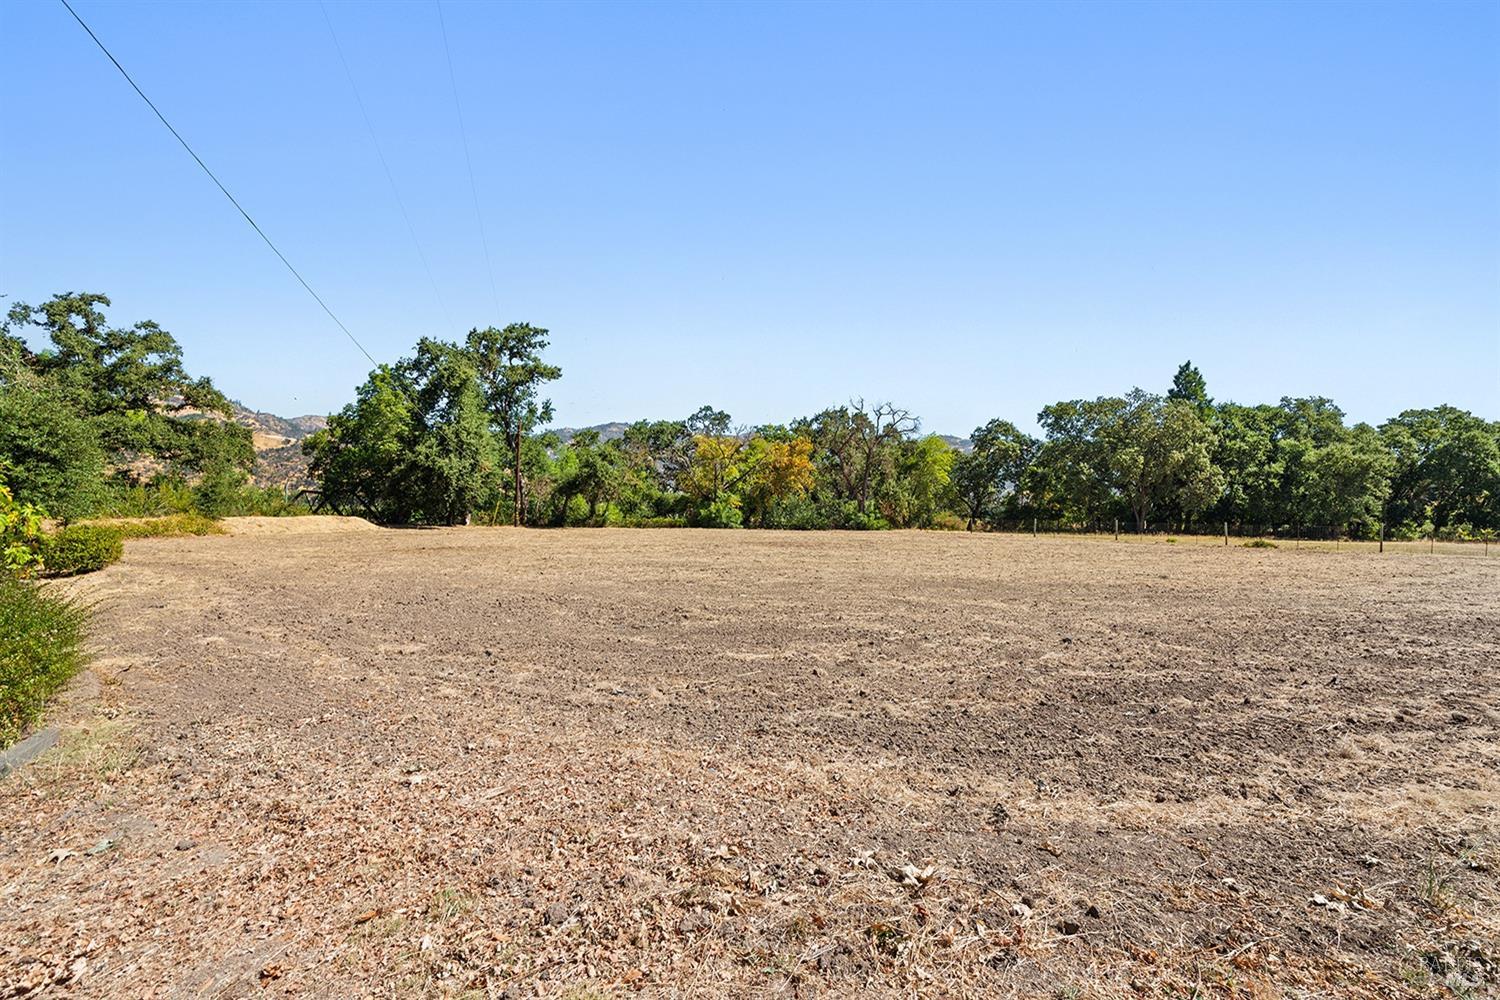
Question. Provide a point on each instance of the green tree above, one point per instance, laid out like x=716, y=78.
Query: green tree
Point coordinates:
x=1160, y=450
x=1188, y=385
x=1446, y=469
x=511, y=371
x=994, y=466
x=1072, y=476
x=415, y=446
x=52, y=452
x=1347, y=479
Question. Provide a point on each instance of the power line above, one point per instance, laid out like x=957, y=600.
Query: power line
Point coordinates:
x=464, y=135
x=199, y=160
x=395, y=191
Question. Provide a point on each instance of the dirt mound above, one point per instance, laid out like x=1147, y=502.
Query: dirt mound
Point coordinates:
x=311, y=524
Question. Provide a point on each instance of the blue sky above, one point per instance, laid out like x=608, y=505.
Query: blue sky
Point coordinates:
x=973, y=210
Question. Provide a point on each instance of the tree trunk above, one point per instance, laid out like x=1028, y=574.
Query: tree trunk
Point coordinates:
x=520, y=500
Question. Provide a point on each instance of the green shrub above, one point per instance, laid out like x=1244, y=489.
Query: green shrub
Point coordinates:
x=1260, y=543
x=721, y=513
x=40, y=639
x=81, y=548
x=166, y=527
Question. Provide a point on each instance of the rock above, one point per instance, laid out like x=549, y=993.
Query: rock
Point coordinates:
x=1020, y=910
x=1068, y=927
x=556, y=913
x=186, y=844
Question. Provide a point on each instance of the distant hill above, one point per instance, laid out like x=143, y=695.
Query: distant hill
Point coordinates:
x=278, y=446
x=612, y=431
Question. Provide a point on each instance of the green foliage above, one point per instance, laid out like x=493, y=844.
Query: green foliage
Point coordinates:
x=102, y=402
x=992, y=470
x=81, y=548
x=1446, y=468
x=41, y=637
x=21, y=536
x=720, y=513
x=415, y=446
x=53, y=453
x=1189, y=386
x=511, y=371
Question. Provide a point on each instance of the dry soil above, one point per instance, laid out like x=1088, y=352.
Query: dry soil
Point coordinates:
x=319, y=758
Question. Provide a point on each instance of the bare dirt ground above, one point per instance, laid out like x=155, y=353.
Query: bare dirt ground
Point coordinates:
x=318, y=758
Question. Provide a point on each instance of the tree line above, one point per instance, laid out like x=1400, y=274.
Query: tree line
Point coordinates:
x=456, y=432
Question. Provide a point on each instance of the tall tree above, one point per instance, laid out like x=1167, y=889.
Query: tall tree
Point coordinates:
x=127, y=385
x=511, y=372
x=1189, y=386
x=994, y=466
x=1159, y=450
x=1447, y=468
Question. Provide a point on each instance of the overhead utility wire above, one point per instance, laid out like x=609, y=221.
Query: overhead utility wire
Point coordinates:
x=199, y=160
x=464, y=135
x=395, y=191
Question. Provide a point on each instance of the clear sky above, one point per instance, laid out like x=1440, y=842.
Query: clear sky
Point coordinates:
x=972, y=210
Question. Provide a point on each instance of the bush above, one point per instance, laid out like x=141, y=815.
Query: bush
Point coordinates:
x=719, y=514
x=81, y=548
x=40, y=638
x=163, y=496
x=1260, y=543
x=164, y=527
x=796, y=513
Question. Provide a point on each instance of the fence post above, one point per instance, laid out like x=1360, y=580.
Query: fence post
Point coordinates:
x=1226, y=534
x=1382, y=536
x=1430, y=536
x=1117, y=531
x=1033, y=526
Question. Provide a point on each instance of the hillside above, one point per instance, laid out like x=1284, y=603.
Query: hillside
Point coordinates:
x=278, y=446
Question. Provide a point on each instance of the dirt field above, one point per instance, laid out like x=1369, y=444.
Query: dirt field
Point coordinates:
x=317, y=758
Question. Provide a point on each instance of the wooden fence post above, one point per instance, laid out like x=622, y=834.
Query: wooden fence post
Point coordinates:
x=1226, y=534
x=1382, y=536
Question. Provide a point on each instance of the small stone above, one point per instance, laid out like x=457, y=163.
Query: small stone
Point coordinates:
x=556, y=914
x=186, y=845
x=1020, y=910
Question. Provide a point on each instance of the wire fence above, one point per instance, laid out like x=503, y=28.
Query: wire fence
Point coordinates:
x=1316, y=537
